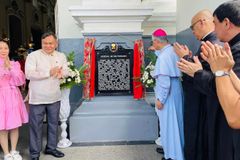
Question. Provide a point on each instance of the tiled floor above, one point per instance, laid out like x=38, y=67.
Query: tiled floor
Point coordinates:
x=119, y=152
x=100, y=152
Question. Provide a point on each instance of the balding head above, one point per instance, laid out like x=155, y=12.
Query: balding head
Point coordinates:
x=202, y=23
x=203, y=14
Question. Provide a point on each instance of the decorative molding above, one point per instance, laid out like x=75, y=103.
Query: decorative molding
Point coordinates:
x=143, y=17
x=113, y=34
x=111, y=19
x=164, y=17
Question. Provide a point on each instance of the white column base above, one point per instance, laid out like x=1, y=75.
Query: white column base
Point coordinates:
x=64, y=143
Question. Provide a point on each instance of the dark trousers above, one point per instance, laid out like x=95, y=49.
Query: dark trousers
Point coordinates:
x=36, y=117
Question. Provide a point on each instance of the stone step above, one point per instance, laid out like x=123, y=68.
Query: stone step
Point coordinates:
x=113, y=119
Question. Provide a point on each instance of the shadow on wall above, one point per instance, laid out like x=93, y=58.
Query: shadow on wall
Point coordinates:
x=186, y=37
x=66, y=46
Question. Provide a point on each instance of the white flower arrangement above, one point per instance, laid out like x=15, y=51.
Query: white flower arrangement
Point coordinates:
x=147, y=80
x=76, y=76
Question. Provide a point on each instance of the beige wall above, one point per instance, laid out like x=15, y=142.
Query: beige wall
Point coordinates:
x=66, y=26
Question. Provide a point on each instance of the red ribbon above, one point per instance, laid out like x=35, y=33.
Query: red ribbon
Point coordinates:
x=137, y=63
x=89, y=73
x=92, y=78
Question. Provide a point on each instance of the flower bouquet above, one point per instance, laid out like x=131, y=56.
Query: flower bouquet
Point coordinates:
x=76, y=76
x=146, y=71
x=147, y=80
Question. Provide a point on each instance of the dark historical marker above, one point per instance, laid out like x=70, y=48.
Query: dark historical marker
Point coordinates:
x=114, y=70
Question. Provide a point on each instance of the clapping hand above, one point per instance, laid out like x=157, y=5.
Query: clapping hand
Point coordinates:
x=7, y=63
x=181, y=50
x=190, y=68
x=56, y=72
x=60, y=73
x=218, y=57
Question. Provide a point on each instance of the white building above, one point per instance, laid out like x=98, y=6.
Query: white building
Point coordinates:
x=121, y=21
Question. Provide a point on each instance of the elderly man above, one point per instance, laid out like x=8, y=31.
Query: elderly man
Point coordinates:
x=44, y=68
x=225, y=141
x=195, y=110
x=169, y=98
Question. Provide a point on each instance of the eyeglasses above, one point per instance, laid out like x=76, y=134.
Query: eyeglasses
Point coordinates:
x=192, y=26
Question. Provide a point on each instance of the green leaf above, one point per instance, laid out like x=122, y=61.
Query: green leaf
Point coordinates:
x=81, y=69
x=151, y=56
x=71, y=56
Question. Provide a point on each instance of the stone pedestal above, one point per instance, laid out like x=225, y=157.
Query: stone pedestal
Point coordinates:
x=113, y=119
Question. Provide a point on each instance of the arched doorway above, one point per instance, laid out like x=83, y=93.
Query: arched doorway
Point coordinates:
x=15, y=33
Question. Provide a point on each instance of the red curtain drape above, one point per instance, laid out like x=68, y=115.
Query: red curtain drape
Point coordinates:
x=92, y=79
x=89, y=73
x=138, y=61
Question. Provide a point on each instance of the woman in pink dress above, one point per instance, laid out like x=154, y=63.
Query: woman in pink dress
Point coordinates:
x=13, y=112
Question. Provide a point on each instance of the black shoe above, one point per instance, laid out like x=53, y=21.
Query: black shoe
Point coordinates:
x=166, y=159
x=54, y=152
x=160, y=150
x=36, y=158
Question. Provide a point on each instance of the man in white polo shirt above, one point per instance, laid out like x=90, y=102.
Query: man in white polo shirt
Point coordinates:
x=44, y=68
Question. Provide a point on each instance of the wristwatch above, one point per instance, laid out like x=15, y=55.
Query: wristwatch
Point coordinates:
x=221, y=73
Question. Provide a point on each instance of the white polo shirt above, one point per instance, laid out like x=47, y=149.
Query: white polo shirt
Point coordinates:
x=44, y=89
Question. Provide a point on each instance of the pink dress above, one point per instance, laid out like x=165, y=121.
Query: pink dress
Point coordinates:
x=13, y=112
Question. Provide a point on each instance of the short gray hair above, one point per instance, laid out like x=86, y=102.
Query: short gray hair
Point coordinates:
x=161, y=39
